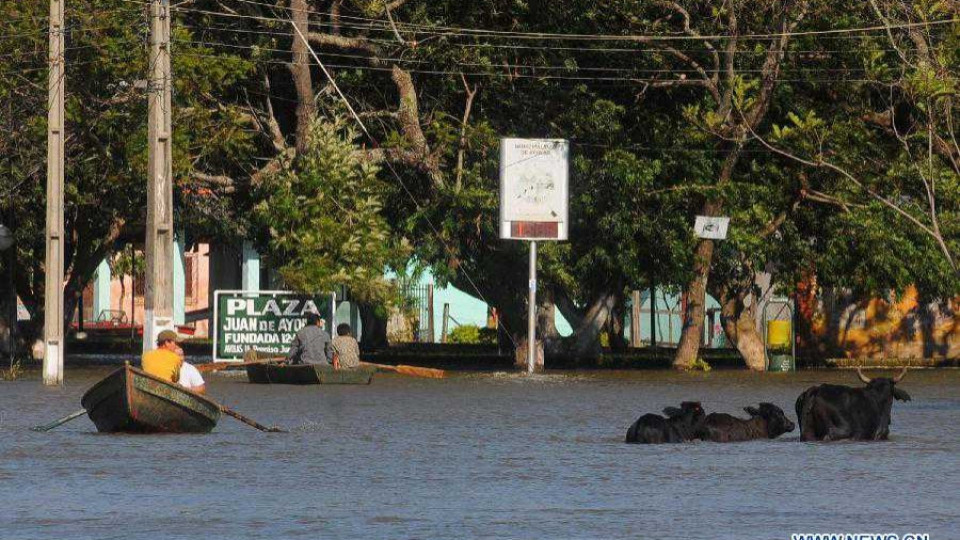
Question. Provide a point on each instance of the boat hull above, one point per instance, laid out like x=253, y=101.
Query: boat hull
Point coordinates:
x=132, y=401
x=307, y=374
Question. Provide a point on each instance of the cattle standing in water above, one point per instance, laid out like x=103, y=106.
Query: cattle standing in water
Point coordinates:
x=766, y=422
x=829, y=412
x=680, y=425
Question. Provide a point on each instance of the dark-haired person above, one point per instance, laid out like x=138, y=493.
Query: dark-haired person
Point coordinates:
x=312, y=344
x=346, y=350
x=164, y=362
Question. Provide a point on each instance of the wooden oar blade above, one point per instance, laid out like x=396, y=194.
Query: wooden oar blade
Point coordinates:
x=415, y=371
x=64, y=420
x=250, y=422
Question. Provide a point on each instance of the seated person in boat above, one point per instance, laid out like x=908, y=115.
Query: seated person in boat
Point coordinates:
x=164, y=362
x=190, y=377
x=312, y=344
x=346, y=350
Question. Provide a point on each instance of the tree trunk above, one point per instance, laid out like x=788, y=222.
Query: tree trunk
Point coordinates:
x=692, y=333
x=8, y=305
x=123, y=292
x=546, y=323
x=586, y=336
x=300, y=69
x=615, y=325
x=374, y=331
x=740, y=324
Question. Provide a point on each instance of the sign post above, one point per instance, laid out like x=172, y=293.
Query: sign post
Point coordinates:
x=532, y=310
x=265, y=321
x=533, y=206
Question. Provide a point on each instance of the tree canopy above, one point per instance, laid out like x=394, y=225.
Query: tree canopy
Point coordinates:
x=825, y=130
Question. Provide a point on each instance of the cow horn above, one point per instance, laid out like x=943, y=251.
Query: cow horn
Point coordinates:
x=900, y=376
x=864, y=378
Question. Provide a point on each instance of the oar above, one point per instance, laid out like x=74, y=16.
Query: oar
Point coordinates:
x=413, y=371
x=217, y=366
x=61, y=421
x=249, y=421
x=250, y=358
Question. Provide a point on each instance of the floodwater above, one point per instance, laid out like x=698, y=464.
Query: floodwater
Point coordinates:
x=476, y=456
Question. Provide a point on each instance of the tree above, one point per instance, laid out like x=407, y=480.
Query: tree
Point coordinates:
x=106, y=137
x=890, y=149
x=323, y=217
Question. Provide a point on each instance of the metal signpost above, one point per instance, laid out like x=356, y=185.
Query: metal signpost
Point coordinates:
x=265, y=321
x=533, y=206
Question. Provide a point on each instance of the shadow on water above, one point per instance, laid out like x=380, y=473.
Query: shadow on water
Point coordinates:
x=476, y=455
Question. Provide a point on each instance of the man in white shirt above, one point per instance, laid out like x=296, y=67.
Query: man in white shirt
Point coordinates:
x=190, y=377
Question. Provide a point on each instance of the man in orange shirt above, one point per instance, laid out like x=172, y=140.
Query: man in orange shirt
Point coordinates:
x=164, y=362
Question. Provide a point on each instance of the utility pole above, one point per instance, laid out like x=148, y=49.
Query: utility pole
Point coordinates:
x=158, y=297
x=53, y=270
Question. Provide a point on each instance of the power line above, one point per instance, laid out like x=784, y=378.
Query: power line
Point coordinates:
x=505, y=65
x=447, y=30
x=739, y=52
x=438, y=72
x=393, y=170
x=473, y=32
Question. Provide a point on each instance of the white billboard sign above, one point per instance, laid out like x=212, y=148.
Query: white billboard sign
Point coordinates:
x=534, y=189
x=711, y=228
x=265, y=321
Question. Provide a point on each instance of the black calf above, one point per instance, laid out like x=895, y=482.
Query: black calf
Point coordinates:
x=767, y=422
x=680, y=425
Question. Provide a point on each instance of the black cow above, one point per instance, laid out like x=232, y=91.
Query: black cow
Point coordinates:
x=680, y=425
x=829, y=412
x=766, y=422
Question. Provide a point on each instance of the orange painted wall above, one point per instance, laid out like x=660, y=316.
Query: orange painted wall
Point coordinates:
x=878, y=328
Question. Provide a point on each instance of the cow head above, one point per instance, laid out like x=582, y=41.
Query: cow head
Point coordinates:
x=691, y=410
x=777, y=422
x=884, y=385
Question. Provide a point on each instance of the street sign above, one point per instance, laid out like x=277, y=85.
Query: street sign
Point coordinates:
x=533, y=189
x=711, y=228
x=266, y=321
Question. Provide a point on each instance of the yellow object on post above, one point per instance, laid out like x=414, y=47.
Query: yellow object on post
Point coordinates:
x=778, y=334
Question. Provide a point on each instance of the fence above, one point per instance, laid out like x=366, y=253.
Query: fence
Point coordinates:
x=664, y=325
x=415, y=302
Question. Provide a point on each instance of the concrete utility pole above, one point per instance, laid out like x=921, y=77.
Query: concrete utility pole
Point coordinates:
x=53, y=270
x=158, y=297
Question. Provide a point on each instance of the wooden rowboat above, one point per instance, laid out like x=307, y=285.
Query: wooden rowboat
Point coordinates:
x=307, y=374
x=132, y=401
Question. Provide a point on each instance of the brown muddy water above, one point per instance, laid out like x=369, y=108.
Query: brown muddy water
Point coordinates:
x=476, y=456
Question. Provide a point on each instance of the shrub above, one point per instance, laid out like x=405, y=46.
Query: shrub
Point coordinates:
x=472, y=334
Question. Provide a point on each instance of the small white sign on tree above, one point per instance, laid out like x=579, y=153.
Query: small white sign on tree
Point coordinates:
x=534, y=189
x=711, y=228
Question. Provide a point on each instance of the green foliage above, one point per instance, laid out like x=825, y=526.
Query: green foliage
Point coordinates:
x=473, y=335
x=649, y=145
x=700, y=365
x=106, y=134
x=12, y=373
x=323, y=213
